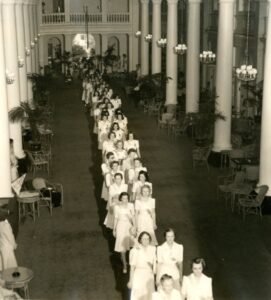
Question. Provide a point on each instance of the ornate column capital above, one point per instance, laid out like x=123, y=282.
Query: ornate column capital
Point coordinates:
x=144, y=1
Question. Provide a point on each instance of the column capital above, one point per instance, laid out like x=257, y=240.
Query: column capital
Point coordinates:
x=159, y=1
x=172, y=2
x=144, y=1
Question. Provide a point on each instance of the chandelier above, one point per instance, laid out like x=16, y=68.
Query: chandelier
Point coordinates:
x=162, y=43
x=246, y=72
x=180, y=49
x=207, y=57
x=138, y=34
x=32, y=45
x=35, y=40
x=27, y=51
x=148, y=38
x=10, y=77
x=20, y=62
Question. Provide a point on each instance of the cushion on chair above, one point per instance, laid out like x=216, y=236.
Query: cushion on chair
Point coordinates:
x=39, y=183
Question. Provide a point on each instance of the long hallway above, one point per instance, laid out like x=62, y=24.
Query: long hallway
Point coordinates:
x=70, y=252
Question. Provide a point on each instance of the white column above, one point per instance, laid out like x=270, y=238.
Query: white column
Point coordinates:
x=192, y=56
x=41, y=54
x=104, y=8
x=31, y=23
x=68, y=42
x=156, y=35
x=134, y=19
x=265, y=160
x=144, y=45
x=5, y=175
x=131, y=52
x=172, y=58
x=35, y=23
x=19, y=18
x=222, y=134
x=67, y=10
x=11, y=59
x=104, y=43
x=27, y=48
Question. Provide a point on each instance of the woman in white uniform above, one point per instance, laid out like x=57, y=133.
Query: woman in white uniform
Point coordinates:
x=142, y=268
x=119, y=133
x=122, y=121
x=170, y=259
x=166, y=290
x=197, y=286
x=109, y=144
x=124, y=223
x=119, y=152
x=105, y=170
x=145, y=214
x=143, y=179
x=134, y=172
x=131, y=143
x=103, y=129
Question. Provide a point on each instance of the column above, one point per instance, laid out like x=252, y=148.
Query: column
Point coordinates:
x=104, y=10
x=222, y=134
x=171, y=57
x=130, y=52
x=68, y=42
x=27, y=49
x=192, y=57
x=104, y=43
x=36, y=49
x=19, y=19
x=134, y=18
x=67, y=10
x=265, y=161
x=32, y=48
x=156, y=35
x=11, y=59
x=5, y=176
x=144, y=31
x=41, y=54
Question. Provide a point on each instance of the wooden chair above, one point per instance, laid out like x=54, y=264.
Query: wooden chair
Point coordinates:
x=28, y=202
x=200, y=156
x=39, y=161
x=253, y=204
x=163, y=119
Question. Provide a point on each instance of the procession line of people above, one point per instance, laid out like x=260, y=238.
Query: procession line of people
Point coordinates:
x=156, y=272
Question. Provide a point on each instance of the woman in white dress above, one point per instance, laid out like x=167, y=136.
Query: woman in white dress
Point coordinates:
x=7, y=242
x=166, y=290
x=131, y=143
x=88, y=93
x=119, y=133
x=143, y=179
x=142, y=268
x=95, y=99
x=105, y=170
x=109, y=144
x=124, y=223
x=103, y=129
x=145, y=214
x=134, y=172
x=84, y=83
x=122, y=121
x=97, y=114
x=119, y=152
x=197, y=286
x=115, y=190
x=170, y=259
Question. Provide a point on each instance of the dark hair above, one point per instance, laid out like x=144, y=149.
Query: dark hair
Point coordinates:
x=123, y=194
x=120, y=114
x=119, y=141
x=118, y=174
x=145, y=174
x=165, y=277
x=108, y=154
x=169, y=230
x=113, y=125
x=130, y=132
x=4, y=212
x=132, y=150
x=199, y=260
x=141, y=236
x=104, y=114
x=109, y=134
x=113, y=162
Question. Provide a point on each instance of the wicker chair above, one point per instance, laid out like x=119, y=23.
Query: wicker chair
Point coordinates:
x=39, y=161
x=200, y=156
x=253, y=204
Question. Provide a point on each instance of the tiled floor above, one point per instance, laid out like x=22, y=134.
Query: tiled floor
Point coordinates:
x=70, y=251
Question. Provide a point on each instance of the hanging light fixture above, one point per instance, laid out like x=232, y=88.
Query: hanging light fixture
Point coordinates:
x=138, y=34
x=207, y=57
x=10, y=77
x=32, y=45
x=148, y=38
x=180, y=49
x=20, y=62
x=27, y=51
x=162, y=43
x=246, y=72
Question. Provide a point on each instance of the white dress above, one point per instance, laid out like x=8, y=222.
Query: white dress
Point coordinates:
x=119, y=134
x=160, y=295
x=114, y=192
x=108, y=146
x=144, y=217
x=120, y=155
x=105, y=169
x=7, y=246
x=122, y=124
x=103, y=129
x=194, y=289
x=124, y=217
x=143, y=260
x=137, y=188
x=167, y=257
x=133, y=173
x=131, y=144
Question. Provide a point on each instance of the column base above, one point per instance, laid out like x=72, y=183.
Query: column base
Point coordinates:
x=171, y=108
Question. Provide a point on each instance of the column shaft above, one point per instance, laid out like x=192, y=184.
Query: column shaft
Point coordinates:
x=192, y=57
x=156, y=35
x=144, y=46
x=5, y=175
x=265, y=161
x=172, y=58
x=31, y=23
x=36, y=49
x=131, y=52
x=222, y=134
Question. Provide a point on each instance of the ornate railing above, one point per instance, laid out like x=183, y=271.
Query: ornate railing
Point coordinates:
x=55, y=18
x=80, y=18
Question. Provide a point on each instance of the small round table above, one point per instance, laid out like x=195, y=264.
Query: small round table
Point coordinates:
x=20, y=281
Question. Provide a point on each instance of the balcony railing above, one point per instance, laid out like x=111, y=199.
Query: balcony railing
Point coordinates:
x=56, y=18
x=80, y=18
x=118, y=18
